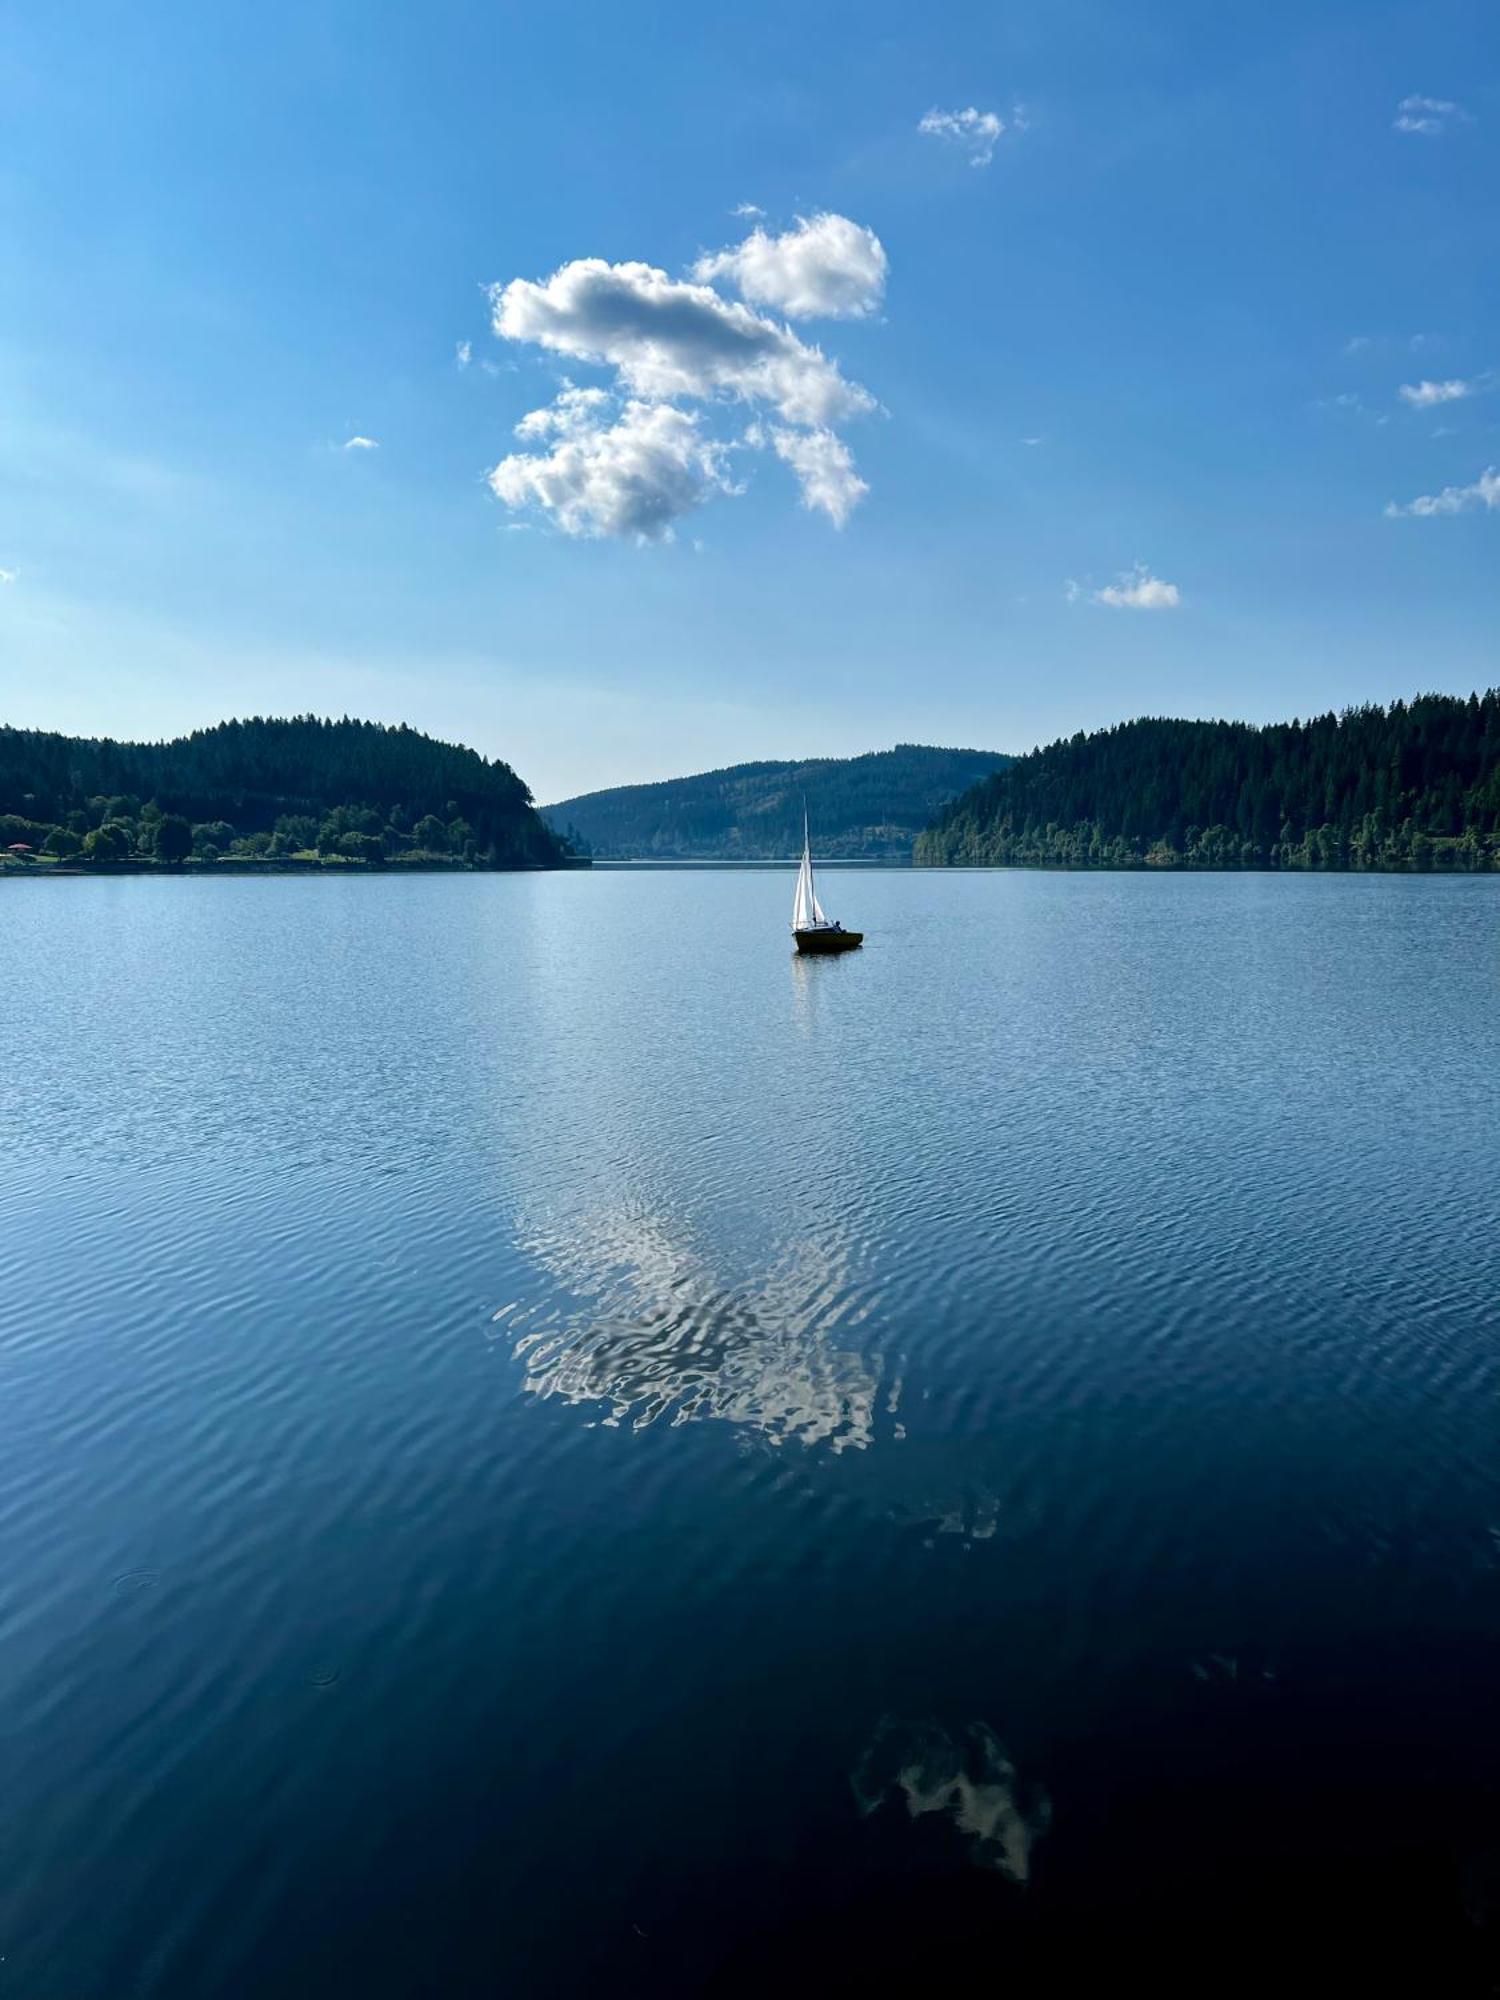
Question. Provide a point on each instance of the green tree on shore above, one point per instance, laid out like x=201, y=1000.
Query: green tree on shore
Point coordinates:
x=272, y=785
x=1414, y=786
x=110, y=842
x=172, y=838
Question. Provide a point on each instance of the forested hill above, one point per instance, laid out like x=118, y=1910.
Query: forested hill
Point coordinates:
x=1416, y=785
x=268, y=787
x=871, y=806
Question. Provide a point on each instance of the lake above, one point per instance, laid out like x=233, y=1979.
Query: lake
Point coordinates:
x=548, y=1446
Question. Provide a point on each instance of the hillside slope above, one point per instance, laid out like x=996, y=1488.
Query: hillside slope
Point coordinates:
x=1416, y=785
x=871, y=806
x=264, y=784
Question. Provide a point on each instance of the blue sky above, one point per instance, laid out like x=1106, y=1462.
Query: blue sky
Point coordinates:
x=1207, y=252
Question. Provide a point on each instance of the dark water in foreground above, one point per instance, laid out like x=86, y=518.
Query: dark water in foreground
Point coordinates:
x=547, y=1447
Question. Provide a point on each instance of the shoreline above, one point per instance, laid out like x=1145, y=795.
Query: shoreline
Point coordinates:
x=227, y=867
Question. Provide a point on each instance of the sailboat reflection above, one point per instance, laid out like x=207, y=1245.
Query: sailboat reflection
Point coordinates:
x=808, y=975
x=653, y=1335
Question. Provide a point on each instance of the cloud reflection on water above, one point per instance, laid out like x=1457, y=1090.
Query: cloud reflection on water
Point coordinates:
x=966, y=1776
x=657, y=1335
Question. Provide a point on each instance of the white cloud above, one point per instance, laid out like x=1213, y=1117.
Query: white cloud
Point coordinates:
x=463, y=353
x=1484, y=493
x=748, y=210
x=360, y=444
x=1422, y=395
x=627, y=459
x=1030, y=440
x=669, y=338
x=1138, y=590
x=633, y=476
x=1428, y=114
x=827, y=267
x=977, y=132
x=8, y=575
x=824, y=467
x=572, y=411
x=1357, y=343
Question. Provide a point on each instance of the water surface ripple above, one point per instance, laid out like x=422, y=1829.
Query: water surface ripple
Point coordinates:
x=547, y=1445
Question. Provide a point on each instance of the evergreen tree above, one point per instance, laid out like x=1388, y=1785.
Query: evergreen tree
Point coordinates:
x=283, y=778
x=1413, y=786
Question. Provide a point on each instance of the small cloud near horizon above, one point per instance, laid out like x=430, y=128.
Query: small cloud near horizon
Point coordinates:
x=1132, y=590
x=1423, y=395
x=8, y=575
x=976, y=132
x=1483, y=495
x=360, y=444
x=1429, y=115
x=1382, y=343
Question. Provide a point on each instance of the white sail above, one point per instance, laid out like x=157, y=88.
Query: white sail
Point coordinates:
x=803, y=903
x=807, y=911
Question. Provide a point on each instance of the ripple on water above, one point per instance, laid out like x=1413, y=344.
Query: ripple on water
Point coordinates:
x=133, y=1582
x=1131, y=1244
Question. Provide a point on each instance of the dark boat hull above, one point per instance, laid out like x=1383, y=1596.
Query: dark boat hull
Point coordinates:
x=823, y=941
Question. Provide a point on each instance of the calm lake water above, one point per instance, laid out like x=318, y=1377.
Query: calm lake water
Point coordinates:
x=547, y=1446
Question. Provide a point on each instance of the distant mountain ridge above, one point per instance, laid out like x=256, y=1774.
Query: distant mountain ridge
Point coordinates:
x=1412, y=786
x=869, y=807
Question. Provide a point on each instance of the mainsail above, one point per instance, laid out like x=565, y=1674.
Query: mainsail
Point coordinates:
x=807, y=911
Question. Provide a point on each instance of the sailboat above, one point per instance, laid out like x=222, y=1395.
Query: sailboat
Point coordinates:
x=810, y=927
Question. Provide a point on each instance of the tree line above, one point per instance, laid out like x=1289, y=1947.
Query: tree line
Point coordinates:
x=1412, y=786
x=267, y=789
